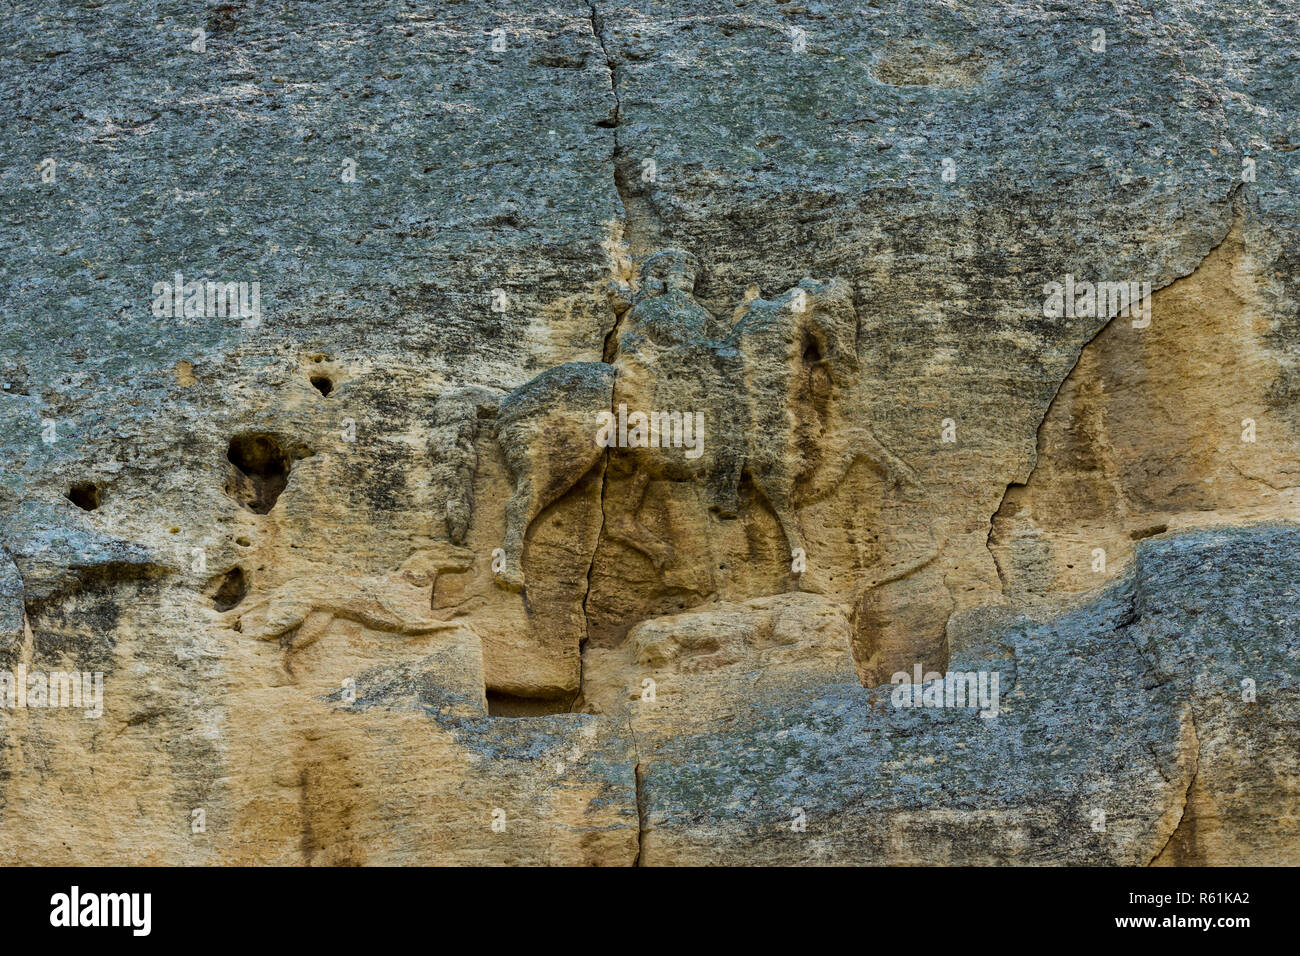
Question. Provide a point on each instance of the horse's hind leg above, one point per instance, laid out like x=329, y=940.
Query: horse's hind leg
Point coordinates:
x=627, y=529
x=791, y=527
x=547, y=430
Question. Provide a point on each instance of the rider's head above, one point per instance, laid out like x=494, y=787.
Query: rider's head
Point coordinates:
x=670, y=269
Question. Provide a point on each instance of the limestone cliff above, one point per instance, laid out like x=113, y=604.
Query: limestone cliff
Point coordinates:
x=650, y=433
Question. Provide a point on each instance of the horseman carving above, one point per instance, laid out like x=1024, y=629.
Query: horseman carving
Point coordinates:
x=766, y=391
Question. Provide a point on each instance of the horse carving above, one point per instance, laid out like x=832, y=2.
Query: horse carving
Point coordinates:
x=763, y=397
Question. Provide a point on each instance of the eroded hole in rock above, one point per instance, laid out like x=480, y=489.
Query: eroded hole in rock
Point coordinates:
x=261, y=464
x=508, y=705
x=85, y=495
x=232, y=589
x=812, y=352
x=322, y=384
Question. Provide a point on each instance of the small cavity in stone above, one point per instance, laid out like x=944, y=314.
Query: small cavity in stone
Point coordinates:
x=232, y=589
x=261, y=469
x=508, y=705
x=84, y=495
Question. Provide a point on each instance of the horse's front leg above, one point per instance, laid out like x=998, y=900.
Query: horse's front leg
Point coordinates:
x=508, y=573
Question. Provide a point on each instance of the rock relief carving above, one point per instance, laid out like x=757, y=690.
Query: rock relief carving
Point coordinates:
x=767, y=390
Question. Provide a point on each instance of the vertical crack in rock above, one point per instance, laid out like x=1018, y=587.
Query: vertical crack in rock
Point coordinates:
x=586, y=613
x=636, y=216
x=638, y=771
x=598, y=33
x=640, y=812
x=1150, y=658
x=1232, y=201
x=641, y=226
x=1002, y=503
x=1183, y=819
x=625, y=237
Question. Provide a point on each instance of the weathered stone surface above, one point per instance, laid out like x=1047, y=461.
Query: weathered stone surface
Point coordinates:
x=1121, y=736
x=358, y=574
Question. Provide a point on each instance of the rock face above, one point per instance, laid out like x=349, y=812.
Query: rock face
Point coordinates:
x=650, y=434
